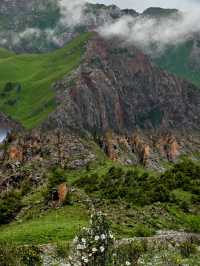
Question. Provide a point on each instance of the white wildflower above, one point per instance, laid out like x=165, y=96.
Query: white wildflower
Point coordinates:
x=102, y=249
x=94, y=250
x=83, y=240
x=85, y=260
x=90, y=255
x=128, y=263
x=96, y=238
x=80, y=247
x=103, y=237
x=83, y=257
x=111, y=235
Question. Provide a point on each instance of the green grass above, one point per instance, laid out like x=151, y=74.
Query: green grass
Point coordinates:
x=55, y=225
x=176, y=60
x=36, y=73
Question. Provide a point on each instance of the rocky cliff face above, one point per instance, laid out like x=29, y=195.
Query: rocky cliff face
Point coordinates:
x=118, y=89
x=28, y=156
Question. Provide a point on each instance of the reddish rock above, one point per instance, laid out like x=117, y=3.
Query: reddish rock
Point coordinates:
x=63, y=192
x=15, y=153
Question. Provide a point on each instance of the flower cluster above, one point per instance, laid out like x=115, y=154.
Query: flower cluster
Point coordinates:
x=92, y=245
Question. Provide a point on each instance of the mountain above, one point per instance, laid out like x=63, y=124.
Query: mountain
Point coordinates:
x=41, y=26
x=118, y=88
x=95, y=86
x=158, y=12
x=37, y=26
x=182, y=60
x=110, y=92
x=91, y=125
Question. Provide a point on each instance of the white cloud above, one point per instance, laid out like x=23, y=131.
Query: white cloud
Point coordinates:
x=72, y=11
x=151, y=36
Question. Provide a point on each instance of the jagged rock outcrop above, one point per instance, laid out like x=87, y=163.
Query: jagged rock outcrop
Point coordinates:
x=118, y=89
x=146, y=148
x=29, y=155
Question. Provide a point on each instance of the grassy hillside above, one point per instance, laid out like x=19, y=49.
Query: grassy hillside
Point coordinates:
x=25, y=80
x=176, y=61
x=60, y=224
x=137, y=203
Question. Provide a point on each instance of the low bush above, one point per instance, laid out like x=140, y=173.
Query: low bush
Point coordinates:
x=145, y=188
x=10, y=204
x=193, y=223
x=12, y=255
x=143, y=231
x=187, y=248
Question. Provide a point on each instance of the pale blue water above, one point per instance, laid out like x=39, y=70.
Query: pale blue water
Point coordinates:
x=3, y=134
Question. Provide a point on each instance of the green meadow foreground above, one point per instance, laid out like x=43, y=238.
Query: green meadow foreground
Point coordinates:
x=127, y=195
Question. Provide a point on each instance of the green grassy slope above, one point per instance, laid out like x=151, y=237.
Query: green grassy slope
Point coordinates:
x=176, y=61
x=28, y=96
x=60, y=224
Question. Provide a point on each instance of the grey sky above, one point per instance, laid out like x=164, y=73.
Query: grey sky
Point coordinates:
x=143, y=4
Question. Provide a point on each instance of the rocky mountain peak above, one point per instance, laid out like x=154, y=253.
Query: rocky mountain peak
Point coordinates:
x=118, y=88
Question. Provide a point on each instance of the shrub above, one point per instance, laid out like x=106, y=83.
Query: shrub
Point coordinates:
x=144, y=188
x=10, y=204
x=8, y=255
x=187, y=248
x=29, y=255
x=92, y=246
x=12, y=255
x=193, y=223
x=128, y=254
x=143, y=231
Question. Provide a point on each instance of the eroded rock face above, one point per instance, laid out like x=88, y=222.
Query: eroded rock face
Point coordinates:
x=118, y=90
x=148, y=148
x=30, y=155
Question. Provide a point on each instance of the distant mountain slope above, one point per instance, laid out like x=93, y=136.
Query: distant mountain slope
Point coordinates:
x=159, y=12
x=44, y=25
x=35, y=26
x=182, y=60
x=26, y=80
x=118, y=88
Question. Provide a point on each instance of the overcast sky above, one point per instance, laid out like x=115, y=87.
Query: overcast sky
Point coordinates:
x=140, y=5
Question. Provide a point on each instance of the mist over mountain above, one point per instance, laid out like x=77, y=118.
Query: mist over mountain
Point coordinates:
x=49, y=24
x=99, y=113
x=154, y=32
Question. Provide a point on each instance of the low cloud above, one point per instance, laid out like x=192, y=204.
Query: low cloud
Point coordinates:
x=152, y=35
x=71, y=11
